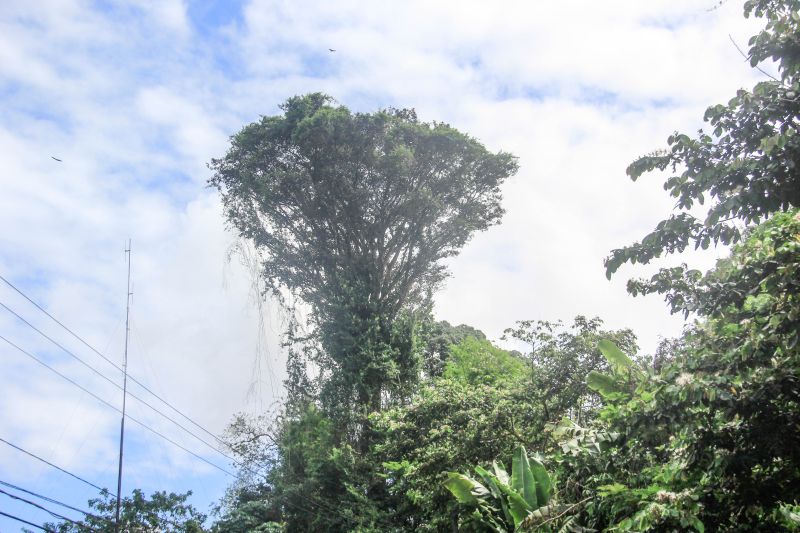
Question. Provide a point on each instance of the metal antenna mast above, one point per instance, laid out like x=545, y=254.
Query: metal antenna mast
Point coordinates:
x=124, y=387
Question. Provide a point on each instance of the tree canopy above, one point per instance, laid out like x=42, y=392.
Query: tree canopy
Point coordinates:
x=745, y=167
x=341, y=200
x=353, y=213
x=702, y=439
x=160, y=512
x=417, y=425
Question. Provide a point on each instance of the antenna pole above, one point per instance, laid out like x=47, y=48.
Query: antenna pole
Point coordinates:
x=124, y=387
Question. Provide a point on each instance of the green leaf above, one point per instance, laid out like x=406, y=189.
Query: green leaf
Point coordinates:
x=500, y=473
x=489, y=480
x=465, y=489
x=614, y=355
x=608, y=490
x=517, y=505
x=396, y=466
x=542, y=478
x=522, y=480
x=493, y=483
x=604, y=384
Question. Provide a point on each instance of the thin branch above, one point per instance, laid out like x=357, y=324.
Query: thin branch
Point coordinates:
x=747, y=58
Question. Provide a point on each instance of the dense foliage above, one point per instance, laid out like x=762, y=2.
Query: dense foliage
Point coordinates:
x=454, y=421
x=709, y=441
x=560, y=360
x=413, y=425
x=353, y=213
x=160, y=512
x=745, y=167
x=503, y=502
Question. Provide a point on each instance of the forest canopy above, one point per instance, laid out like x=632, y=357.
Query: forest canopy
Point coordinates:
x=698, y=436
x=398, y=422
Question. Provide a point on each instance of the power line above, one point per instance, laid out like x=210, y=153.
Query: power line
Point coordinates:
x=18, y=519
x=57, y=502
x=104, y=402
x=55, y=342
x=101, y=489
x=112, y=382
x=48, y=499
x=318, y=504
x=109, y=361
x=46, y=510
x=115, y=384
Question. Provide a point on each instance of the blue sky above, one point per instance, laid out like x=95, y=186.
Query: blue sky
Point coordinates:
x=136, y=97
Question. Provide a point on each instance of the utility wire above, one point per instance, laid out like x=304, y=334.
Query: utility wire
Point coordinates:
x=46, y=510
x=319, y=504
x=51, y=500
x=86, y=512
x=101, y=489
x=109, y=361
x=18, y=519
x=104, y=402
x=112, y=382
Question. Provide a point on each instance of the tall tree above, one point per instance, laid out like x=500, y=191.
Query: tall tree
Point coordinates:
x=353, y=213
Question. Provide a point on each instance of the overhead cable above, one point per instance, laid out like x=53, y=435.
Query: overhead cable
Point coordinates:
x=46, y=510
x=45, y=461
x=18, y=519
x=107, y=404
x=109, y=361
x=49, y=499
x=111, y=381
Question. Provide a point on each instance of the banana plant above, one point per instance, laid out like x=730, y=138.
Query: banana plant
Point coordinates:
x=506, y=503
x=611, y=385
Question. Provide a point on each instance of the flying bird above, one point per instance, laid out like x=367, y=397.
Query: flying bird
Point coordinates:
x=57, y=159
x=331, y=50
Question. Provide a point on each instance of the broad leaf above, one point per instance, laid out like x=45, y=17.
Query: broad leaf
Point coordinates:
x=465, y=489
x=490, y=481
x=493, y=483
x=500, y=473
x=517, y=505
x=522, y=480
x=542, y=478
x=602, y=383
x=617, y=359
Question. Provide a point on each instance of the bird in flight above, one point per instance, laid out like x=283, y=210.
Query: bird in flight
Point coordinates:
x=57, y=159
x=331, y=50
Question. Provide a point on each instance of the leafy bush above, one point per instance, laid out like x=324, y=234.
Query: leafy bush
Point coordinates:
x=507, y=503
x=710, y=441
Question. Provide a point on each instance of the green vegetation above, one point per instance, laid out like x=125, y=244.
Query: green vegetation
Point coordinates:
x=161, y=512
x=744, y=167
x=390, y=413
x=352, y=214
x=524, y=497
x=478, y=362
x=710, y=440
